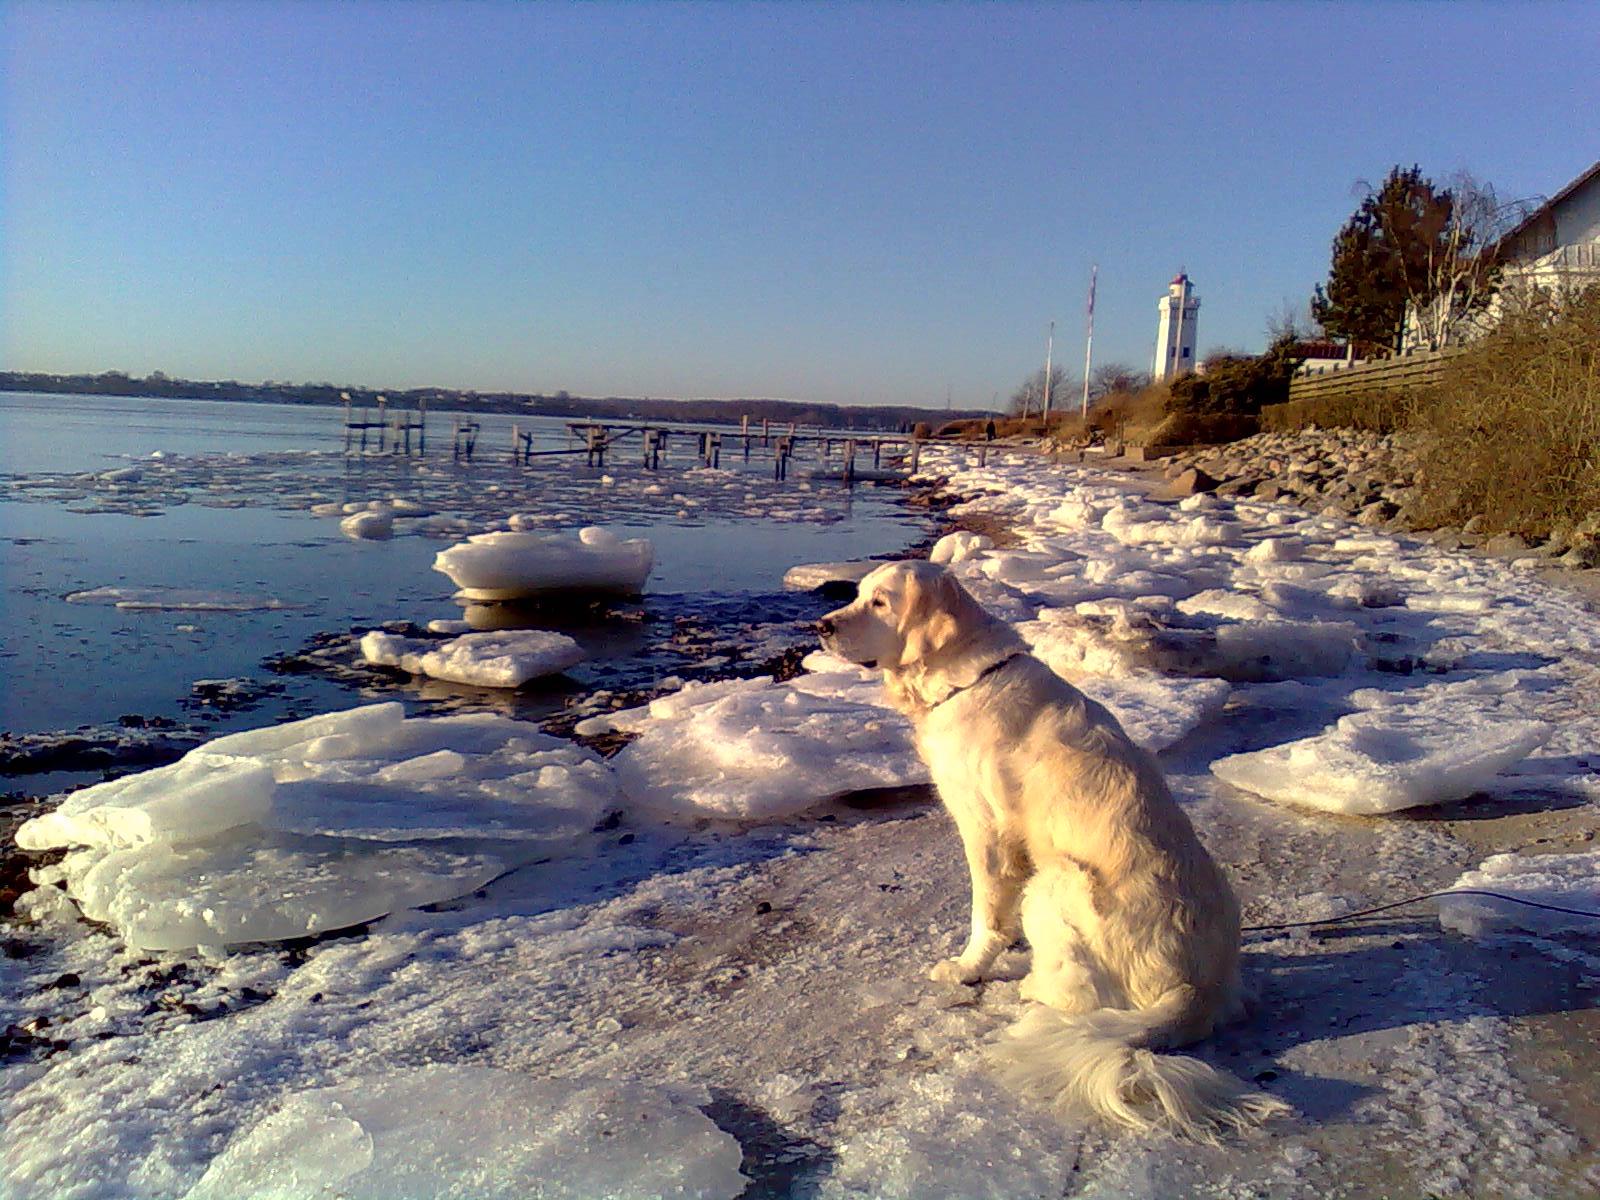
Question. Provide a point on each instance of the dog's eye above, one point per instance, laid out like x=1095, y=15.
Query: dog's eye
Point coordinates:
x=879, y=602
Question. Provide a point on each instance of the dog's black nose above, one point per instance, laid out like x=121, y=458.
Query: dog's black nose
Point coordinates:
x=825, y=627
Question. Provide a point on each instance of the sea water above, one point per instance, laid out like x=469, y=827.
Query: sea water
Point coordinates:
x=184, y=533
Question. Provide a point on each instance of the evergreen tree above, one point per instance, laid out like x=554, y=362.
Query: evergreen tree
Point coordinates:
x=1382, y=258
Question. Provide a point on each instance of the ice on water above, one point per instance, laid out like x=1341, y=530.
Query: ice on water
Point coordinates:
x=492, y=659
x=806, y=576
x=173, y=599
x=476, y=1133
x=757, y=750
x=318, y=824
x=513, y=564
x=1563, y=881
x=1387, y=759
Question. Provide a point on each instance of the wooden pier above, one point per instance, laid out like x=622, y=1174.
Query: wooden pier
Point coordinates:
x=838, y=454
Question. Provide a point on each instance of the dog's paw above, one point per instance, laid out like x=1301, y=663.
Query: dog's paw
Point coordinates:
x=955, y=970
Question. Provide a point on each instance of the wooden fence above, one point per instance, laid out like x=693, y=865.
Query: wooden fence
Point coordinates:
x=1402, y=373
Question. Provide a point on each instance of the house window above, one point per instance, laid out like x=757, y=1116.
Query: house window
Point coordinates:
x=1186, y=352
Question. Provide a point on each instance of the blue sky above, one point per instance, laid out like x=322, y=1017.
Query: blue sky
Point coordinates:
x=876, y=203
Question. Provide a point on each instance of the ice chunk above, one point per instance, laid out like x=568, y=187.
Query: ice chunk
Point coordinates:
x=422, y=1132
x=1387, y=759
x=959, y=546
x=759, y=750
x=1564, y=880
x=1230, y=603
x=320, y=824
x=511, y=565
x=266, y=888
x=196, y=797
x=369, y=525
x=1275, y=549
x=1267, y=650
x=1157, y=711
x=173, y=599
x=814, y=575
x=505, y=658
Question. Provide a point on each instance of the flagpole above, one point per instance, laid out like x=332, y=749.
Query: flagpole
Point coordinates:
x=1049, y=350
x=1088, y=349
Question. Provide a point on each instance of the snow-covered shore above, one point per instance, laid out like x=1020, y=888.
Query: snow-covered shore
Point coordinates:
x=759, y=989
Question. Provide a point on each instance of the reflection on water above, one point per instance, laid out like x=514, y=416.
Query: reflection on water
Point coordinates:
x=235, y=487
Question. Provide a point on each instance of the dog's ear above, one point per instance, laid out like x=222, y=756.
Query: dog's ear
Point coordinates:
x=933, y=617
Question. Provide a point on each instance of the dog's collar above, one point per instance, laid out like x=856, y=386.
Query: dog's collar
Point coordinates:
x=982, y=675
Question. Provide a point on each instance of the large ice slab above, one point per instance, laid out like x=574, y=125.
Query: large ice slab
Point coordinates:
x=505, y=658
x=319, y=824
x=513, y=565
x=1157, y=711
x=267, y=887
x=423, y=1132
x=1388, y=759
x=1570, y=881
x=761, y=750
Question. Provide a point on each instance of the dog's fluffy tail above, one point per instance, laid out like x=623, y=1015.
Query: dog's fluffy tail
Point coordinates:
x=1100, y=1062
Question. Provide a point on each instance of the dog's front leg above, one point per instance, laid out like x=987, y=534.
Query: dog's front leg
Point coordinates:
x=998, y=872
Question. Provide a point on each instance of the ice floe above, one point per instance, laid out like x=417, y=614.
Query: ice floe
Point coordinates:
x=318, y=824
x=374, y=525
x=426, y=1132
x=1563, y=881
x=1386, y=759
x=505, y=658
x=758, y=750
x=806, y=576
x=513, y=565
x=959, y=546
x=175, y=599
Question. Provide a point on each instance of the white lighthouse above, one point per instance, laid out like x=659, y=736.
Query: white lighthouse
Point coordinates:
x=1175, y=337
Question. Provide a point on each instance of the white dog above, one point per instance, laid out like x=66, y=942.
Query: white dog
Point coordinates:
x=1072, y=839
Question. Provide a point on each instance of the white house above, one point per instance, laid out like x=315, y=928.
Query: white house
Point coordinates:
x=1556, y=248
x=1175, y=335
x=1558, y=245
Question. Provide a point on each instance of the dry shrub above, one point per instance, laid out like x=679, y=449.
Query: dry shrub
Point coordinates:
x=965, y=429
x=1375, y=411
x=1512, y=433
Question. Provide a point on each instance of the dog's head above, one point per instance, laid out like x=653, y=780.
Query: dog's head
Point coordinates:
x=916, y=622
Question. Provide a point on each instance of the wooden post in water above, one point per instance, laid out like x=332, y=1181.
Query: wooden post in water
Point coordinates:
x=383, y=430
x=850, y=461
x=764, y=432
x=877, y=453
x=345, y=396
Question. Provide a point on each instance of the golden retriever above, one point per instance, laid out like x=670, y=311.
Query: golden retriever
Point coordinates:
x=1074, y=841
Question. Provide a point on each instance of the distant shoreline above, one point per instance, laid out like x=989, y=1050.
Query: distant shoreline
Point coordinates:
x=833, y=416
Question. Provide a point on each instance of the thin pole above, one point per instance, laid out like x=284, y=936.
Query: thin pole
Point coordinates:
x=1049, y=350
x=1088, y=349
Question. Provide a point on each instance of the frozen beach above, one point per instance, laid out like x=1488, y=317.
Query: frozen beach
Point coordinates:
x=697, y=967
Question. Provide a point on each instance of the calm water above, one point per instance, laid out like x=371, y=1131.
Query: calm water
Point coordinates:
x=188, y=497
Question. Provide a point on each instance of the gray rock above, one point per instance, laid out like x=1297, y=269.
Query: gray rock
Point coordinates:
x=1584, y=555
x=1193, y=481
x=1506, y=545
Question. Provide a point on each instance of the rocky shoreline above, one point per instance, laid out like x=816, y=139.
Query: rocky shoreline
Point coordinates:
x=1368, y=478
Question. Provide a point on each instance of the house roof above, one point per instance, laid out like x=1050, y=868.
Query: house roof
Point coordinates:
x=1549, y=205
